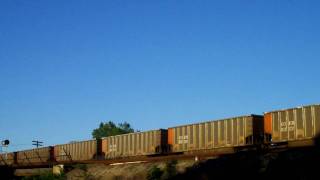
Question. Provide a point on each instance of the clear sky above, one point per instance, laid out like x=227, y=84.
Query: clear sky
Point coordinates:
x=65, y=66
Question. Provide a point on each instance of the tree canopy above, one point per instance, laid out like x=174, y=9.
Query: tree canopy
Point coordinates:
x=111, y=129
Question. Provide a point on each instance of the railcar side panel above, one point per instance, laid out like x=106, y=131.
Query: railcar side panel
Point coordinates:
x=301, y=123
x=76, y=151
x=34, y=156
x=232, y=132
x=6, y=159
x=135, y=144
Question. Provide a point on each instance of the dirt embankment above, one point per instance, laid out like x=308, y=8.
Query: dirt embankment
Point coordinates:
x=137, y=171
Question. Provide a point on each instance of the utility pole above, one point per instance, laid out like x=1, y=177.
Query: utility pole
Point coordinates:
x=37, y=143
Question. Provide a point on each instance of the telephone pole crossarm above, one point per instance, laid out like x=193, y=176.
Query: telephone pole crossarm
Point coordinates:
x=37, y=143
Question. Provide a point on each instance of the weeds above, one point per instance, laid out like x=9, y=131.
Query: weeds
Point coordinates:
x=169, y=171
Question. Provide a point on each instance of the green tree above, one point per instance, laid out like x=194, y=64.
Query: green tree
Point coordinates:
x=111, y=129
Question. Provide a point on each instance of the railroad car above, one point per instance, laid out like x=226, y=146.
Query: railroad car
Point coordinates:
x=77, y=151
x=135, y=144
x=295, y=126
x=231, y=132
x=35, y=156
x=7, y=159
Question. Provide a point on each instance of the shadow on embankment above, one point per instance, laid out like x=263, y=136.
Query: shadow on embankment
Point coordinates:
x=295, y=163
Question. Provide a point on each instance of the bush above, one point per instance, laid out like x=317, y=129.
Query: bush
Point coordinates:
x=154, y=173
x=46, y=176
x=83, y=167
x=170, y=169
x=85, y=175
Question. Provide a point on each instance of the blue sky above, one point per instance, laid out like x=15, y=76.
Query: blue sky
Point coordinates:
x=65, y=66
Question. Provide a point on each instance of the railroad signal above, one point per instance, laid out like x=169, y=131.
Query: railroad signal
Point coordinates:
x=5, y=142
x=37, y=143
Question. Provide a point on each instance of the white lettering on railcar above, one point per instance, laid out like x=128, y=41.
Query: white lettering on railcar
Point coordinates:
x=283, y=126
x=183, y=139
x=291, y=125
x=112, y=147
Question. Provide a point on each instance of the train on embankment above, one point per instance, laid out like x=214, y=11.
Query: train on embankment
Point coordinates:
x=295, y=127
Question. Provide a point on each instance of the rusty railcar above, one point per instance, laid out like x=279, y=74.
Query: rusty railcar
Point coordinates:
x=295, y=126
x=7, y=159
x=76, y=151
x=135, y=144
x=41, y=155
x=231, y=132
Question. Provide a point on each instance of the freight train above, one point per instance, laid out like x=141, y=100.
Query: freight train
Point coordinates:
x=290, y=127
